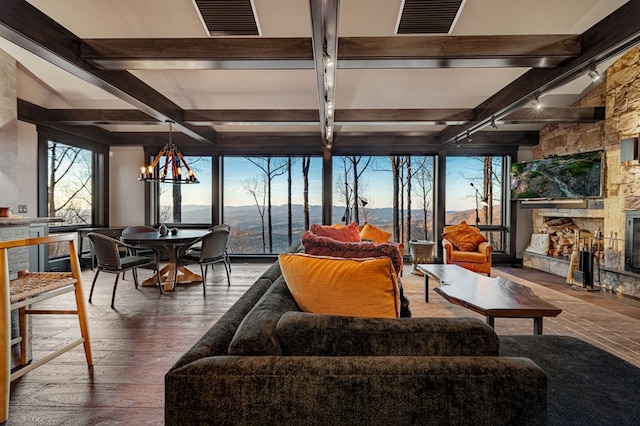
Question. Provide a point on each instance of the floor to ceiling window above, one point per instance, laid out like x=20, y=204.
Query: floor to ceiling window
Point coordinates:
x=394, y=193
x=188, y=203
x=72, y=185
x=69, y=183
x=474, y=194
x=270, y=201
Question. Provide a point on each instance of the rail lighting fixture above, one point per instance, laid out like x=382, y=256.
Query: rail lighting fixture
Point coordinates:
x=593, y=74
x=469, y=137
x=494, y=126
x=536, y=103
x=169, y=163
x=457, y=142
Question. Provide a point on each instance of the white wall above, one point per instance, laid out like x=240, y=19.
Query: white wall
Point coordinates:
x=523, y=216
x=8, y=132
x=27, y=183
x=126, y=193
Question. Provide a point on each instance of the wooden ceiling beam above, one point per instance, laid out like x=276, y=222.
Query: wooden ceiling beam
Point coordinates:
x=541, y=51
x=29, y=28
x=353, y=52
x=612, y=35
x=34, y=113
x=555, y=115
x=199, y=53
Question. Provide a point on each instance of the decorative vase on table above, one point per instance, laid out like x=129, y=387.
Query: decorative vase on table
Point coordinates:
x=163, y=230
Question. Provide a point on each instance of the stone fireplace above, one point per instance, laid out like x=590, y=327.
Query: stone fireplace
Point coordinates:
x=619, y=93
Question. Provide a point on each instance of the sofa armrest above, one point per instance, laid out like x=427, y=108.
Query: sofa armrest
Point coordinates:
x=306, y=334
x=216, y=340
x=231, y=390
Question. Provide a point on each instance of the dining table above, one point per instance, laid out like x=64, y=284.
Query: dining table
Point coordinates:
x=170, y=244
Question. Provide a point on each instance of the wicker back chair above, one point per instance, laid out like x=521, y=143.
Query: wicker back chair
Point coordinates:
x=107, y=251
x=213, y=247
x=22, y=294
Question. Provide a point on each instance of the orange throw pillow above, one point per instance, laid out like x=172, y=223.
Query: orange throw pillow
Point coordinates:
x=466, y=239
x=375, y=234
x=347, y=233
x=366, y=287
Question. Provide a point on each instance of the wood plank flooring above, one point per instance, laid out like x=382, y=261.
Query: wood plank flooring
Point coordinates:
x=134, y=345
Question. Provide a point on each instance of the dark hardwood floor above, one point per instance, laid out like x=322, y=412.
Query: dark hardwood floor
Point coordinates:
x=135, y=345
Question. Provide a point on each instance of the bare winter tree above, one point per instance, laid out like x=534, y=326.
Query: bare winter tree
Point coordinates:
x=357, y=172
x=396, y=166
x=306, y=162
x=424, y=186
x=271, y=167
x=257, y=188
x=69, y=180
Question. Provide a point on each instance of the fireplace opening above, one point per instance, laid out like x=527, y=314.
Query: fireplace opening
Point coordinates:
x=632, y=242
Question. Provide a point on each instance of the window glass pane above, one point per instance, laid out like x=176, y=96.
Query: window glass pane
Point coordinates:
x=364, y=192
x=188, y=203
x=474, y=186
x=474, y=194
x=70, y=179
x=256, y=201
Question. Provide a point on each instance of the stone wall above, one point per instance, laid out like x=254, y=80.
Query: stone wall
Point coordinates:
x=620, y=94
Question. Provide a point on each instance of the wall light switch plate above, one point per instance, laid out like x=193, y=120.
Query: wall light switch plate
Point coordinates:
x=22, y=208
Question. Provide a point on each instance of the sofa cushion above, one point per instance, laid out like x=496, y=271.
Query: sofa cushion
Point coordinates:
x=346, y=233
x=323, y=246
x=373, y=233
x=256, y=333
x=365, y=287
x=305, y=334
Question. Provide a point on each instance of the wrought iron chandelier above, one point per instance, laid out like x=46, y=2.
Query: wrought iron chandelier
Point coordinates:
x=169, y=171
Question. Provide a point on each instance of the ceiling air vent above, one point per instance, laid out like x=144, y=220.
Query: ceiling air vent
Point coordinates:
x=228, y=17
x=428, y=16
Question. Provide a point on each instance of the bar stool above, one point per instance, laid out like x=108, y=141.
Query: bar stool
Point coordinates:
x=23, y=292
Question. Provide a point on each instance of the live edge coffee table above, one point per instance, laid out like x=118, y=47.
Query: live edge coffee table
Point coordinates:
x=491, y=297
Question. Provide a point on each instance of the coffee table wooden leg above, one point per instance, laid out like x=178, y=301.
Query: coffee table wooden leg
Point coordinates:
x=491, y=321
x=537, y=325
x=426, y=288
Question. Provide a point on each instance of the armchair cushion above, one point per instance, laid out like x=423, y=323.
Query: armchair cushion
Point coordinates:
x=464, y=237
x=365, y=287
x=347, y=233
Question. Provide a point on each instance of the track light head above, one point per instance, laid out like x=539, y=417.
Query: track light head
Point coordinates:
x=536, y=103
x=469, y=137
x=593, y=74
x=494, y=126
x=457, y=142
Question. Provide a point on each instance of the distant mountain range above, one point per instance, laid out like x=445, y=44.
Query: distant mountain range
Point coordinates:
x=246, y=229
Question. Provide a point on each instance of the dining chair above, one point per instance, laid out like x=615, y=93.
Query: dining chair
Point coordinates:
x=198, y=245
x=212, y=250
x=107, y=251
x=140, y=251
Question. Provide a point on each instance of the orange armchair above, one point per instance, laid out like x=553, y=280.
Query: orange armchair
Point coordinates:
x=478, y=259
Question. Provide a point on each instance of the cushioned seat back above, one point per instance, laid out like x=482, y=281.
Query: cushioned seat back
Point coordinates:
x=256, y=334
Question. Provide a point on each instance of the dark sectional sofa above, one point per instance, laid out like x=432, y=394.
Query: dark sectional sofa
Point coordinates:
x=265, y=362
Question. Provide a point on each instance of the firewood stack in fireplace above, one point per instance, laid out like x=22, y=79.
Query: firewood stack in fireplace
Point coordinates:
x=562, y=236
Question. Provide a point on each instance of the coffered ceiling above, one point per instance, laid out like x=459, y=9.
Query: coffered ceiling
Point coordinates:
x=118, y=71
